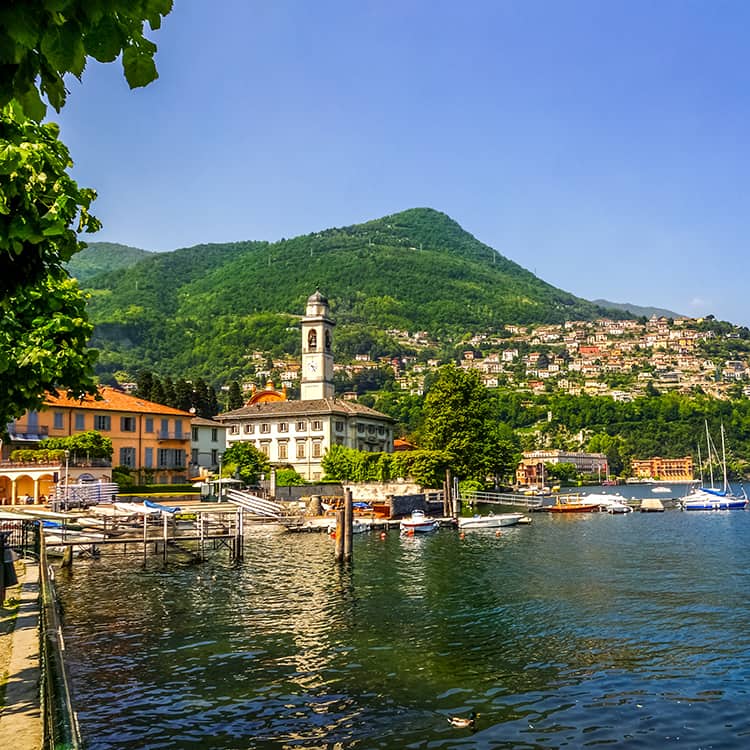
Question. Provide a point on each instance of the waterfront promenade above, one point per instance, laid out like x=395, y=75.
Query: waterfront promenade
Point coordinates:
x=20, y=717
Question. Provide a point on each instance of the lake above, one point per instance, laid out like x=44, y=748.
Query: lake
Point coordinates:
x=574, y=631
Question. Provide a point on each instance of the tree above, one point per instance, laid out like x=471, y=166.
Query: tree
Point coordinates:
x=42, y=41
x=288, y=478
x=44, y=328
x=458, y=419
x=235, y=400
x=246, y=461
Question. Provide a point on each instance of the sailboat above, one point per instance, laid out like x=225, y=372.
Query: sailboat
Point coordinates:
x=714, y=498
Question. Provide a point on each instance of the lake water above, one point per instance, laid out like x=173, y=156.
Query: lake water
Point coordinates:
x=574, y=631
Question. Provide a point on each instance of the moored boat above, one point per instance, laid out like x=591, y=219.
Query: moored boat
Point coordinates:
x=418, y=523
x=572, y=504
x=490, y=521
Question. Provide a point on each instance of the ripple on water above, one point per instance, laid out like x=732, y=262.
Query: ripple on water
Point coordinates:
x=574, y=633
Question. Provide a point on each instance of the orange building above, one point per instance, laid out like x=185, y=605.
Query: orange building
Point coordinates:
x=665, y=469
x=150, y=439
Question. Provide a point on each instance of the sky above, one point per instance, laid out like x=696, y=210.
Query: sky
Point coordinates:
x=605, y=146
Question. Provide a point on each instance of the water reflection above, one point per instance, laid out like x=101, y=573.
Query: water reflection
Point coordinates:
x=626, y=630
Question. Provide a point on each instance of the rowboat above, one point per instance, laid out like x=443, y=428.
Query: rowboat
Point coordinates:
x=418, y=523
x=490, y=521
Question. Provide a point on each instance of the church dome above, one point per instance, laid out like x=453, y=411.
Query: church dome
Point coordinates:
x=317, y=299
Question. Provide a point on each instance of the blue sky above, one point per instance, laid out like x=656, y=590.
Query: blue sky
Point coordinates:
x=602, y=145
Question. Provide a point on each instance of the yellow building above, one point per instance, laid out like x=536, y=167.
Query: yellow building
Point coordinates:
x=150, y=439
x=665, y=469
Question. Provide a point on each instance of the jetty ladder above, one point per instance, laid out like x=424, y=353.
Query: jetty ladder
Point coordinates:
x=258, y=506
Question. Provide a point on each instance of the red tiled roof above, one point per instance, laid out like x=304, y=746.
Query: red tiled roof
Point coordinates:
x=113, y=400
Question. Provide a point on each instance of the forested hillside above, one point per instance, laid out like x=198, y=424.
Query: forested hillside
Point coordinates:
x=197, y=312
x=102, y=257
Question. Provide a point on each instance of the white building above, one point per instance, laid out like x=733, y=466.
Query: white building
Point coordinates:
x=207, y=442
x=297, y=434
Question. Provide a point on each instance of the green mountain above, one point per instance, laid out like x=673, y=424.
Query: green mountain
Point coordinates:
x=101, y=257
x=201, y=311
x=638, y=310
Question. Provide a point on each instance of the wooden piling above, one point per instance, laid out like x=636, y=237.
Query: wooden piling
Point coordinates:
x=339, y=555
x=348, y=525
x=145, y=542
x=166, y=522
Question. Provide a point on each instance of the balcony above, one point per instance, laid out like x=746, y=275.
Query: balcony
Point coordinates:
x=166, y=435
x=27, y=433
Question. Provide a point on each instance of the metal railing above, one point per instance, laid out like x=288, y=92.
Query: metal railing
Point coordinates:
x=61, y=731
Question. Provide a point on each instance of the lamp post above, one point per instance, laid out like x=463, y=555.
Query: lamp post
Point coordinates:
x=65, y=496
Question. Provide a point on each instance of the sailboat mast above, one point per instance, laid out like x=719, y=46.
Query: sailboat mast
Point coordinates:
x=710, y=463
x=700, y=463
x=724, y=459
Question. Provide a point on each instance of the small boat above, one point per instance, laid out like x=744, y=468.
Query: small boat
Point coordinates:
x=613, y=503
x=490, y=521
x=171, y=509
x=418, y=523
x=572, y=504
x=358, y=527
x=663, y=490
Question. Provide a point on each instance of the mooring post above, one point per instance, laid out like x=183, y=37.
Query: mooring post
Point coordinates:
x=339, y=556
x=145, y=541
x=447, y=494
x=201, y=534
x=67, y=558
x=240, y=535
x=348, y=525
x=166, y=522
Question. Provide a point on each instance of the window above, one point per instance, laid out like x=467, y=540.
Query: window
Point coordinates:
x=127, y=424
x=164, y=429
x=234, y=429
x=283, y=426
x=265, y=428
x=59, y=417
x=249, y=429
x=317, y=425
x=312, y=340
x=214, y=457
x=361, y=429
x=283, y=451
x=301, y=427
x=149, y=458
x=214, y=434
x=194, y=434
x=80, y=420
x=171, y=458
x=339, y=426
x=178, y=428
x=265, y=448
x=300, y=449
x=316, y=449
x=194, y=456
x=381, y=430
x=102, y=422
x=127, y=457
x=371, y=429
x=149, y=424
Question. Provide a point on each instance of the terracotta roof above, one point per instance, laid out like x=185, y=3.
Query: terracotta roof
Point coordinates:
x=313, y=407
x=113, y=400
x=202, y=422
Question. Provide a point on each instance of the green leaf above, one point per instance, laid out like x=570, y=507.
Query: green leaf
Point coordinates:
x=59, y=46
x=32, y=104
x=139, y=67
x=104, y=41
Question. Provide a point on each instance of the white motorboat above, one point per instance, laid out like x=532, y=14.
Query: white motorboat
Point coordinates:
x=418, y=523
x=608, y=503
x=490, y=521
x=663, y=490
x=358, y=527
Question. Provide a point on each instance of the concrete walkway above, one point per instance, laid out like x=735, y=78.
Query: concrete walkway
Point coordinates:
x=20, y=718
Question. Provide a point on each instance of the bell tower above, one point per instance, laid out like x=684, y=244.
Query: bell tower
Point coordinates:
x=317, y=350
